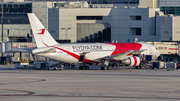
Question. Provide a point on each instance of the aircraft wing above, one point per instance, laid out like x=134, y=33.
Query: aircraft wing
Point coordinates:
x=52, y=50
x=84, y=53
x=138, y=52
x=124, y=55
x=44, y=50
x=121, y=56
x=28, y=50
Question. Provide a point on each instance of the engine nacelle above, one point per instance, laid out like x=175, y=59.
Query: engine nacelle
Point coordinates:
x=131, y=61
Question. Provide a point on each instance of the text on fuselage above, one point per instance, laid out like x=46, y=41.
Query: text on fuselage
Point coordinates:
x=87, y=48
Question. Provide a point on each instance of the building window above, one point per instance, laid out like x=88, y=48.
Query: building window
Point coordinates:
x=135, y=31
x=98, y=33
x=63, y=41
x=171, y=10
x=10, y=18
x=89, y=17
x=16, y=13
x=7, y=31
x=31, y=32
x=15, y=5
x=135, y=17
x=9, y=5
x=138, y=31
x=138, y=17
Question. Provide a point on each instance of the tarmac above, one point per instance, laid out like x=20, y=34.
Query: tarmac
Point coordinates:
x=89, y=85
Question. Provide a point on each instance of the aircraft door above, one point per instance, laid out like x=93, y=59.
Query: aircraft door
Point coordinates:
x=150, y=50
x=81, y=58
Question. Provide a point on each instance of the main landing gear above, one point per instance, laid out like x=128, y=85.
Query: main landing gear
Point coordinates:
x=106, y=67
x=83, y=67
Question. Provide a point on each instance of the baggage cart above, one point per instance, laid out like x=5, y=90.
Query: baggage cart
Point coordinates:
x=170, y=66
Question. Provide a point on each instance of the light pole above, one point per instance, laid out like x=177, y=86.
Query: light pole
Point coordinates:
x=2, y=27
x=165, y=13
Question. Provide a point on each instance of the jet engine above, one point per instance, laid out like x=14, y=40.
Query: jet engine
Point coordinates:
x=131, y=61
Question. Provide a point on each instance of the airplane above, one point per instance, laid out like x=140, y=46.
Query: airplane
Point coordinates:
x=87, y=53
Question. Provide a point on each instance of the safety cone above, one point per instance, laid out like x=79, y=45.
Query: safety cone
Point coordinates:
x=130, y=70
x=20, y=70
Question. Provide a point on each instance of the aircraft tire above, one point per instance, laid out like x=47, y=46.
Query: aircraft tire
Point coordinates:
x=80, y=68
x=87, y=67
x=103, y=68
x=83, y=67
x=136, y=67
x=108, y=68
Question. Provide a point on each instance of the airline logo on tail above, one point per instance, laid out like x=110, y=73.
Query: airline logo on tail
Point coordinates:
x=42, y=31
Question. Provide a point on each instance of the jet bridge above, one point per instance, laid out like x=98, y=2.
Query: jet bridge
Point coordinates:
x=6, y=49
x=10, y=49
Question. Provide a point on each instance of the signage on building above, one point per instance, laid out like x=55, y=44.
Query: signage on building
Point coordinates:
x=15, y=46
x=31, y=46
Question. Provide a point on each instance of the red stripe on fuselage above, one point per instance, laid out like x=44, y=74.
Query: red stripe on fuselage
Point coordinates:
x=135, y=61
x=124, y=47
x=75, y=55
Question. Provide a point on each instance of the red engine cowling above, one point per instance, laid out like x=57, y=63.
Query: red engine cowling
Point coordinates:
x=131, y=61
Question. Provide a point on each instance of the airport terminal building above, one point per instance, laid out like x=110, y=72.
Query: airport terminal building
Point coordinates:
x=70, y=22
x=106, y=24
x=16, y=26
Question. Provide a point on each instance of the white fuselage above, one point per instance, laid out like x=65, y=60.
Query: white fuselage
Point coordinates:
x=94, y=52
